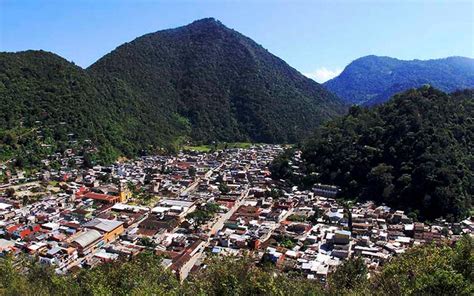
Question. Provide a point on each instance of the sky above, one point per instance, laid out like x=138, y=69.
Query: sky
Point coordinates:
x=318, y=38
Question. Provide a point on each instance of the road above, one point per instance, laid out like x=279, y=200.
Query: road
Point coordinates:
x=195, y=183
x=221, y=220
x=218, y=225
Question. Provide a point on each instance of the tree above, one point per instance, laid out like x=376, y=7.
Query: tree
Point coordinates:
x=296, y=218
x=192, y=171
x=429, y=270
x=87, y=161
x=287, y=242
x=380, y=184
x=347, y=210
x=223, y=188
x=10, y=192
x=411, y=153
x=350, y=276
x=463, y=261
x=423, y=270
x=71, y=163
x=240, y=276
x=203, y=214
x=147, y=242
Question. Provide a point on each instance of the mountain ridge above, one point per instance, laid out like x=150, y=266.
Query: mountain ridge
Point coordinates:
x=201, y=82
x=371, y=80
x=204, y=59
x=413, y=152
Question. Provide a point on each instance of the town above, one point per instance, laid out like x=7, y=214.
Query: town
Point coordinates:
x=191, y=205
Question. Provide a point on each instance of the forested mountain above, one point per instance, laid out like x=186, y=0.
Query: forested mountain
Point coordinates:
x=45, y=100
x=201, y=82
x=226, y=85
x=414, y=152
x=373, y=79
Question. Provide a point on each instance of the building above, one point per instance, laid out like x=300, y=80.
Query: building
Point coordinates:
x=110, y=229
x=88, y=242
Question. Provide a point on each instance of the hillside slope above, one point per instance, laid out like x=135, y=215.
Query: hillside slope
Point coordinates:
x=202, y=82
x=226, y=85
x=45, y=100
x=414, y=152
x=373, y=80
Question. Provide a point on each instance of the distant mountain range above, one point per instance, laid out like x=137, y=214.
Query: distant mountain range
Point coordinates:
x=202, y=82
x=373, y=80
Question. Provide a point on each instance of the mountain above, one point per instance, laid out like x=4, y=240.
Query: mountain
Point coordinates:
x=414, y=152
x=372, y=80
x=202, y=82
x=227, y=86
x=47, y=100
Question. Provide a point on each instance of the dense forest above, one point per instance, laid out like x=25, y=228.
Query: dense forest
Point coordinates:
x=201, y=83
x=372, y=80
x=427, y=270
x=414, y=152
x=47, y=103
x=226, y=85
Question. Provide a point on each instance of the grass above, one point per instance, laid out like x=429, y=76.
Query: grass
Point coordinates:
x=137, y=201
x=201, y=148
x=219, y=146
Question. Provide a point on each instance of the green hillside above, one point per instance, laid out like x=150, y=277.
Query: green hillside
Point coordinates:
x=226, y=85
x=414, y=152
x=199, y=83
x=47, y=101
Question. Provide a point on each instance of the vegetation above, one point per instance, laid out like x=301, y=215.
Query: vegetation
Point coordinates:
x=430, y=271
x=227, y=87
x=48, y=104
x=286, y=242
x=224, y=188
x=204, y=213
x=373, y=80
x=350, y=276
x=147, y=242
x=217, y=146
x=296, y=218
x=201, y=83
x=427, y=270
x=414, y=153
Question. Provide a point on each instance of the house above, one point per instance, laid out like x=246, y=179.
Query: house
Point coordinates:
x=341, y=237
x=6, y=245
x=153, y=225
x=335, y=215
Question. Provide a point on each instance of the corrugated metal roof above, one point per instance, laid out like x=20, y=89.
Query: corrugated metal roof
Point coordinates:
x=87, y=238
x=103, y=224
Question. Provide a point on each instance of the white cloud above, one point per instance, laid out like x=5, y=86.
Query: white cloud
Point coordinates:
x=323, y=74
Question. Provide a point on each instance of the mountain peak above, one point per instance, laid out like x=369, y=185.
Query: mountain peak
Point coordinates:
x=373, y=57
x=207, y=21
x=225, y=85
x=206, y=24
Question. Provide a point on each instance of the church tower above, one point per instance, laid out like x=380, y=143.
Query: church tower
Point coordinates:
x=124, y=192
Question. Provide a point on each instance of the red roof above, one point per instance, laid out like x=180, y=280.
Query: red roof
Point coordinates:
x=183, y=165
x=11, y=229
x=101, y=197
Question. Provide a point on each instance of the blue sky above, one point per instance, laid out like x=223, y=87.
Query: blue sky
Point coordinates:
x=319, y=38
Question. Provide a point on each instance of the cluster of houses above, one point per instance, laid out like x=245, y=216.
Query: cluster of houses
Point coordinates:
x=192, y=205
